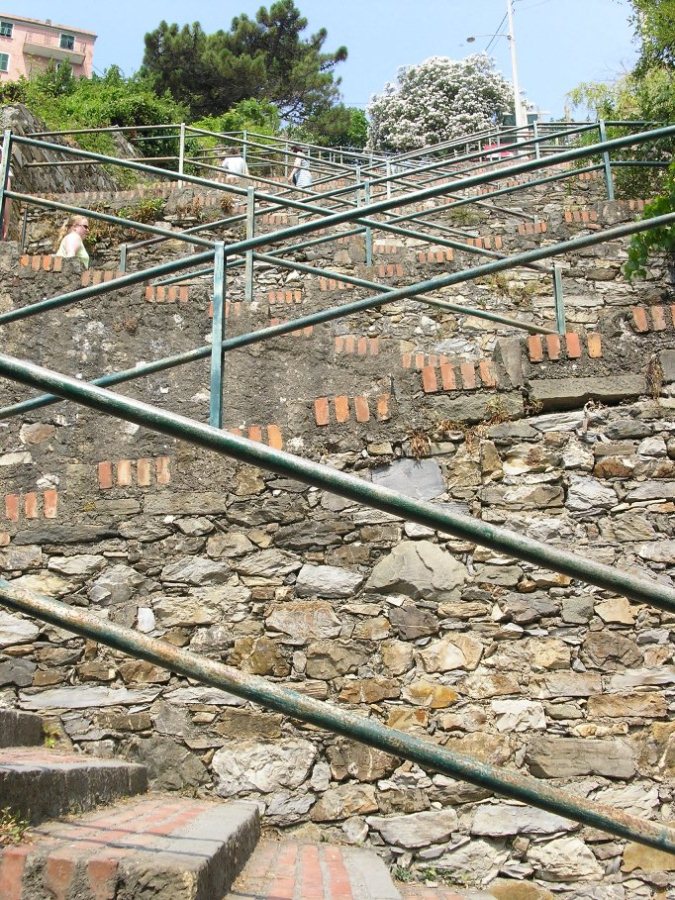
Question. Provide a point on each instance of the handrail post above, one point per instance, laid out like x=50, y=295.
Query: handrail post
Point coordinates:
x=24, y=229
x=537, y=146
x=123, y=258
x=559, y=299
x=4, y=176
x=217, y=337
x=244, y=148
x=181, y=152
x=388, y=179
x=609, y=181
x=369, y=231
x=250, y=232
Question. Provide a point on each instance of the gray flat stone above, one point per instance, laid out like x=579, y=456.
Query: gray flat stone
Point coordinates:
x=82, y=697
x=564, y=393
x=419, y=478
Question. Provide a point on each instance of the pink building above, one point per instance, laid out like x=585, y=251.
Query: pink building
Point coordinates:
x=29, y=45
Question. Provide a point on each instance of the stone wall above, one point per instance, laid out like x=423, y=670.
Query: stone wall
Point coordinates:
x=570, y=442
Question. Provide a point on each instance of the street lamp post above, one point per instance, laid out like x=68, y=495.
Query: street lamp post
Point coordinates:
x=521, y=117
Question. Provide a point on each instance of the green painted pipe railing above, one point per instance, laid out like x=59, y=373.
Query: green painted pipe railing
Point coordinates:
x=321, y=476
x=427, y=754
x=333, y=313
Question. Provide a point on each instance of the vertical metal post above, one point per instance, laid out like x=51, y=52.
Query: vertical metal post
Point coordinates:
x=286, y=161
x=388, y=179
x=559, y=299
x=537, y=146
x=5, y=160
x=369, y=231
x=244, y=148
x=357, y=172
x=250, y=232
x=24, y=229
x=181, y=152
x=607, y=165
x=521, y=118
x=217, y=337
x=123, y=258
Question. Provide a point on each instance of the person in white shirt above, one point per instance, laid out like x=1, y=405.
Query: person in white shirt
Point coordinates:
x=234, y=166
x=300, y=175
x=71, y=239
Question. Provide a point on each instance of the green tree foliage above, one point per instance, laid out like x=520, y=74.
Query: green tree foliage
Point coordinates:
x=437, y=100
x=337, y=126
x=64, y=101
x=654, y=22
x=657, y=240
x=261, y=58
x=257, y=117
x=647, y=93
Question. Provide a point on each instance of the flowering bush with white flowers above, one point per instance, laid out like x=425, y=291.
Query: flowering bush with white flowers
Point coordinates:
x=437, y=100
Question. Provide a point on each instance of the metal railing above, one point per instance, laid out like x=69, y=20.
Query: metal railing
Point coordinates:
x=219, y=256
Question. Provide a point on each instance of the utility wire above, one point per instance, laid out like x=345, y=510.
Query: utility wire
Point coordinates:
x=495, y=35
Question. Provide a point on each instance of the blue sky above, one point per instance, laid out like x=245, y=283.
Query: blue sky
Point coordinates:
x=559, y=43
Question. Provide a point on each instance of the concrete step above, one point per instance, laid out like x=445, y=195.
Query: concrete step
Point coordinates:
x=19, y=729
x=151, y=848
x=293, y=871
x=37, y=783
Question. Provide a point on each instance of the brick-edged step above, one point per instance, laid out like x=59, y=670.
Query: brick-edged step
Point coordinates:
x=293, y=871
x=38, y=783
x=19, y=729
x=151, y=847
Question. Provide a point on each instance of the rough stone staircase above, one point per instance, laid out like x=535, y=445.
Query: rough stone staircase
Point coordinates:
x=143, y=833
x=96, y=833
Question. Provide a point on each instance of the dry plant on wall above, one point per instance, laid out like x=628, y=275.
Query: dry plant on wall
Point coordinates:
x=654, y=376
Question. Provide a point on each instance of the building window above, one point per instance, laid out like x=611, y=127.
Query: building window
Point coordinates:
x=6, y=29
x=67, y=42
x=4, y=62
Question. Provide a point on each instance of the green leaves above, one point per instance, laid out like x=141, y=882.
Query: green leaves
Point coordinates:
x=658, y=241
x=262, y=58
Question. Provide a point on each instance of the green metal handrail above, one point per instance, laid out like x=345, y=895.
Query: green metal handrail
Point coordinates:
x=317, y=318
x=277, y=201
x=509, y=784
x=324, y=715
x=424, y=513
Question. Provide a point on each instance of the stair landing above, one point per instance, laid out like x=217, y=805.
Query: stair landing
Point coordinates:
x=294, y=871
x=153, y=848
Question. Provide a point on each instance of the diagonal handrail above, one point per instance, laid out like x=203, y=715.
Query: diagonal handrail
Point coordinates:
x=317, y=318
x=322, y=476
x=379, y=206
x=508, y=783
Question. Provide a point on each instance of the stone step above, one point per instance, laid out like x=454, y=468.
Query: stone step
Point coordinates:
x=294, y=871
x=426, y=892
x=37, y=783
x=18, y=729
x=151, y=847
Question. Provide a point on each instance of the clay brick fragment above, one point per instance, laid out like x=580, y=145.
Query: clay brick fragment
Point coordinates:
x=321, y=411
x=534, y=348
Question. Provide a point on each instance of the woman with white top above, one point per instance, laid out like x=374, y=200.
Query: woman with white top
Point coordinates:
x=71, y=239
